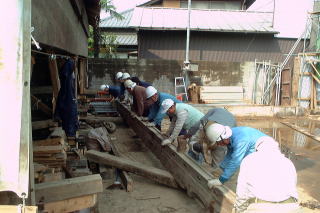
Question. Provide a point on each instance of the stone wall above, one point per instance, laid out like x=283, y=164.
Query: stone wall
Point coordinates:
x=161, y=73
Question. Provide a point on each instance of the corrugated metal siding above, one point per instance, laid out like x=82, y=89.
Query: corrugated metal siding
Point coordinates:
x=126, y=39
x=210, y=46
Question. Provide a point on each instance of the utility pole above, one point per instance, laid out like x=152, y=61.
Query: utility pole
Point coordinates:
x=187, y=62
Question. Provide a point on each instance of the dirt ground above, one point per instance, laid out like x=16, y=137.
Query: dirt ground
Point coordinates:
x=148, y=196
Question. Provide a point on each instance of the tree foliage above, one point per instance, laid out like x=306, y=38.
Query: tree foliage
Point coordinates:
x=96, y=39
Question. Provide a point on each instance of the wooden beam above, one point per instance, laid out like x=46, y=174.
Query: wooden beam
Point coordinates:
x=125, y=177
x=71, y=205
x=43, y=107
x=68, y=188
x=155, y=174
x=301, y=130
x=15, y=209
x=188, y=174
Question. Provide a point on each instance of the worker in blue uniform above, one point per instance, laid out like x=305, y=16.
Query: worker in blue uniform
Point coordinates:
x=240, y=142
x=155, y=113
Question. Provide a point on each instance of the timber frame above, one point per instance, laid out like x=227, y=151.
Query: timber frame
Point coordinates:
x=186, y=172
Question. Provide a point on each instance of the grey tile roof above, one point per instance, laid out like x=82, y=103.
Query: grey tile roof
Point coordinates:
x=160, y=18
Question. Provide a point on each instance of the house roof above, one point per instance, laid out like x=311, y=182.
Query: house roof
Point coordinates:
x=160, y=18
x=112, y=22
x=126, y=39
x=201, y=20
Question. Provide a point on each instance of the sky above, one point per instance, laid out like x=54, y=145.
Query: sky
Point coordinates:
x=290, y=15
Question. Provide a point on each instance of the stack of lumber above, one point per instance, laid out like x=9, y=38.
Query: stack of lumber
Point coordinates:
x=50, y=152
x=220, y=94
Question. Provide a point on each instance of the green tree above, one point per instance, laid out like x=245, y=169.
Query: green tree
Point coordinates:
x=107, y=6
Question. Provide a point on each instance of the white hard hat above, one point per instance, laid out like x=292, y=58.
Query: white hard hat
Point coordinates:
x=125, y=76
x=150, y=91
x=166, y=104
x=119, y=75
x=129, y=84
x=214, y=131
x=266, y=143
x=104, y=86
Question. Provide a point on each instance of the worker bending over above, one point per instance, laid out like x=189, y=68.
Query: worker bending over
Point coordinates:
x=140, y=83
x=267, y=181
x=216, y=115
x=114, y=91
x=240, y=142
x=183, y=116
x=156, y=99
x=139, y=97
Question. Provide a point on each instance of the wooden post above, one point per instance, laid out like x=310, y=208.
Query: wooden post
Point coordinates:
x=295, y=81
x=155, y=174
x=126, y=179
x=55, y=81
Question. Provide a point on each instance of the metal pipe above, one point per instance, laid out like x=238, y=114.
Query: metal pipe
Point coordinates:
x=188, y=33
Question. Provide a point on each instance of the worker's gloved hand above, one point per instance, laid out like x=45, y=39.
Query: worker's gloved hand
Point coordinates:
x=166, y=135
x=213, y=183
x=166, y=142
x=196, y=147
x=144, y=118
x=150, y=124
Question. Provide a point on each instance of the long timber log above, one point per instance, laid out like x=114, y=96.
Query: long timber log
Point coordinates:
x=158, y=175
x=186, y=172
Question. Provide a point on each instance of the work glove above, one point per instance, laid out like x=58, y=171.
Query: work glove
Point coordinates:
x=213, y=183
x=150, y=124
x=144, y=118
x=166, y=142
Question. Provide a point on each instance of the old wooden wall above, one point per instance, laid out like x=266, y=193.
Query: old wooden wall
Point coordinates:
x=57, y=25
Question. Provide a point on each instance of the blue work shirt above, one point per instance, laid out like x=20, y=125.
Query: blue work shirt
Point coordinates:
x=115, y=91
x=155, y=110
x=144, y=84
x=122, y=89
x=242, y=143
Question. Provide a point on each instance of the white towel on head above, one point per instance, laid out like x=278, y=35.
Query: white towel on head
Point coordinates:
x=227, y=133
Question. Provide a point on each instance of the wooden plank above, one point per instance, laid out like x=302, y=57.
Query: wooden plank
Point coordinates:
x=43, y=124
x=41, y=90
x=155, y=174
x=15, y=209
x=71, y=205
x=221, y=96
x=47, y=149
x=49, y=142
x=43, y=107
x=82, y=75
x=125, y=177
x=68, y=188
x=187, y=173
x=221, y=89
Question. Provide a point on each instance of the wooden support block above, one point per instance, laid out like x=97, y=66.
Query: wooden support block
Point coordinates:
x=47, y=149
x=15, y=209
x=125, y=177
x=188, y=174
x=71, y=205
x=49, y=142
x=155, y=174
x=68, y=188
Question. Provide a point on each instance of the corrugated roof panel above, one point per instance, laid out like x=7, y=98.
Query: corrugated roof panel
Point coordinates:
x=112, y=22
x=203, y=20
x=127, y=39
